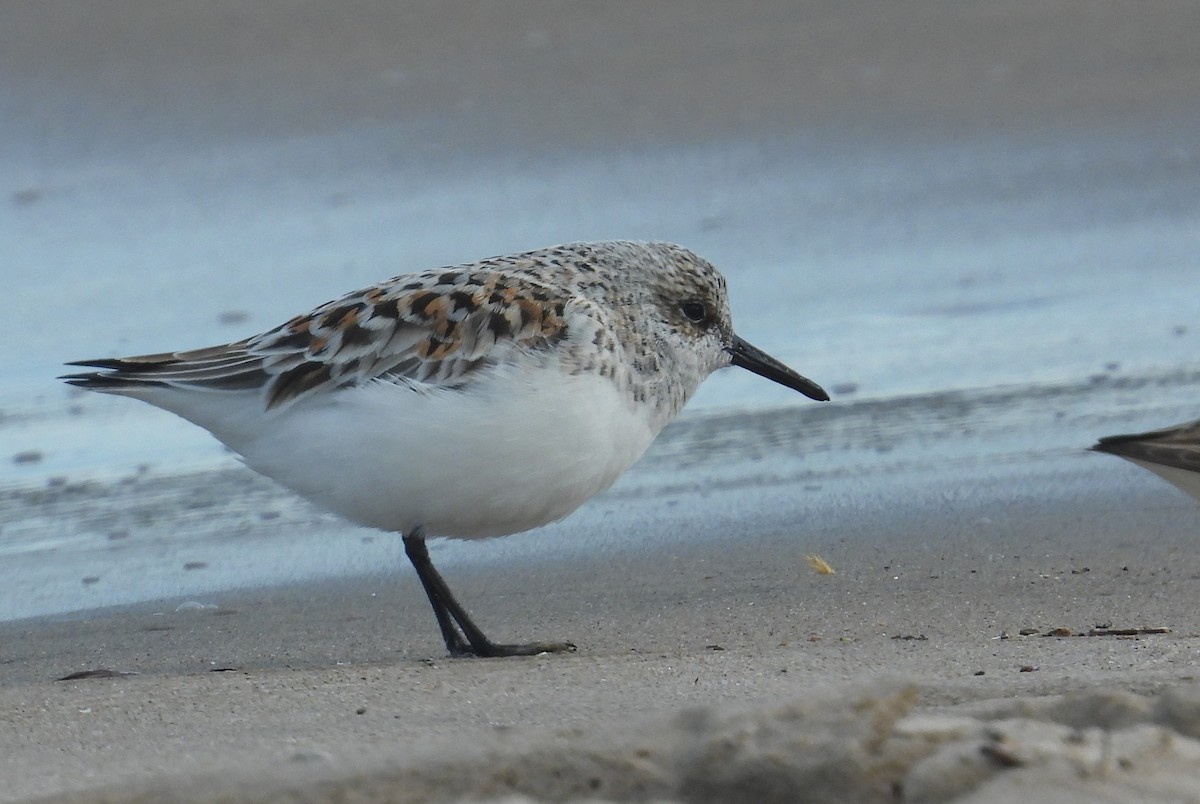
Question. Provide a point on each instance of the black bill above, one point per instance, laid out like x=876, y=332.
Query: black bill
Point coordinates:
x=756, y=360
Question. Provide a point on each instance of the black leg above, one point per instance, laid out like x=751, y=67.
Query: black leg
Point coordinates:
x=418, y=554
x=462, y=636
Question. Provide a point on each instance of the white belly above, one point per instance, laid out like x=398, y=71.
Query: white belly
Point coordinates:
x=516, y=453
x=1182, y=479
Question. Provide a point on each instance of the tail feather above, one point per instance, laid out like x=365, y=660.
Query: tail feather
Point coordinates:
x=225, y=368
x=108, y=381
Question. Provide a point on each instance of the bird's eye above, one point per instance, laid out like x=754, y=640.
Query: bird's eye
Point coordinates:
x=695, y=311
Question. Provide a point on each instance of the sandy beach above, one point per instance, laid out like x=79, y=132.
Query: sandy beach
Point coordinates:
x=1009, y=617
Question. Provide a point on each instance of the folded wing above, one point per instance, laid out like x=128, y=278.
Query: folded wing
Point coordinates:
x=431, y=329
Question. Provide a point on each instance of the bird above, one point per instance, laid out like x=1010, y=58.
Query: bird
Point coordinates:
x=1172, y=453
x=473, y=400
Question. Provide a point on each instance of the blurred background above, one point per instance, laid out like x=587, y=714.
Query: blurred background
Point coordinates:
x=908, y=199
x=905, y=197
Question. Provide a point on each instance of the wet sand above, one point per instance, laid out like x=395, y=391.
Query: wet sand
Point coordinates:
x=1022, y=616
x=714, y=663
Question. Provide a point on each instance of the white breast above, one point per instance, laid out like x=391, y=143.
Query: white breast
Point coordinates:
x=519, y=450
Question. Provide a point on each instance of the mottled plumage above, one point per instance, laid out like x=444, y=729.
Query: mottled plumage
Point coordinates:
x=472, y=400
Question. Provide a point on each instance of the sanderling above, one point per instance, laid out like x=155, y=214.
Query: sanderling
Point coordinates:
x=473, y=400
x=1172, y=453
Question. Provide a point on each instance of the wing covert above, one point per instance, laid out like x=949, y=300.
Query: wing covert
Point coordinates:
x=423, y=330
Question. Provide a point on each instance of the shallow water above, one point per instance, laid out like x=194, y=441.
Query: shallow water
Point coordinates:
x=191, y=536
x=875, y=271
x=1025, y=266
